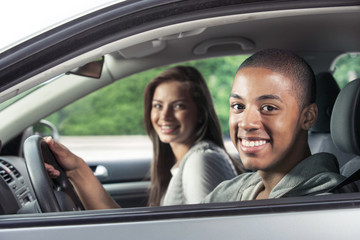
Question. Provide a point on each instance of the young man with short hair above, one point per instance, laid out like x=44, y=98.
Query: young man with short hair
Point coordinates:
x=272, y=107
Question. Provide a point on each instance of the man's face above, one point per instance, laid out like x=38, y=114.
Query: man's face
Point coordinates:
x=264, y=119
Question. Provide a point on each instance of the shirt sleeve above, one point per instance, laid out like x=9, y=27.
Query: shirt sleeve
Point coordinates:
x=203, y=171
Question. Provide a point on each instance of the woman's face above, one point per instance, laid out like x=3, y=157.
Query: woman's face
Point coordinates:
x=174, y=114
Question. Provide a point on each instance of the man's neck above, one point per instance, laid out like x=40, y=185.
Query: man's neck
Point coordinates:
x=271, y=177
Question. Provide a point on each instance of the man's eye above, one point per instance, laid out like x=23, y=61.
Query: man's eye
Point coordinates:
x=237, y=106
x=268, y=108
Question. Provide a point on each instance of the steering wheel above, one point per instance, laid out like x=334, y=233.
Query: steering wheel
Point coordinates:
x=53, y=195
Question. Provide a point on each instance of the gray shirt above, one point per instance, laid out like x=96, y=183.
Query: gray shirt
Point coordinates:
x=203, y=167
x=314, y=175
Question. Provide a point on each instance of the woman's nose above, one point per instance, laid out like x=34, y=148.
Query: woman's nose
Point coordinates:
x=167, y=113
x=250, y=119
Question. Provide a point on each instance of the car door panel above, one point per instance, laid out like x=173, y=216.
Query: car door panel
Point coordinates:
x=121, y=163
x=127, y=181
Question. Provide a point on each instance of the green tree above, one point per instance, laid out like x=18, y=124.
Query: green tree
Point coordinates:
x=347, y=68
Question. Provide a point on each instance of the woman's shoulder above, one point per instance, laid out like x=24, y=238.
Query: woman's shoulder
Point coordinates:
x=206, y=149
x=206, y=146
x=207, y=155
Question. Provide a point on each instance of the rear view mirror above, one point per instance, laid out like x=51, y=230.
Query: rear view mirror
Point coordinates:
x=91, y=69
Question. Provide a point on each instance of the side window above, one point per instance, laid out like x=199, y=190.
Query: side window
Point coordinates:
x=346, y=68
x=115, y=113
x=107, y=125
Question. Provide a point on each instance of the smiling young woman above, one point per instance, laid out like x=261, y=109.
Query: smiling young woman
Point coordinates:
x=189, y=156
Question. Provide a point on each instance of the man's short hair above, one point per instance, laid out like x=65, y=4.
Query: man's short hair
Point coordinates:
x=291, y=66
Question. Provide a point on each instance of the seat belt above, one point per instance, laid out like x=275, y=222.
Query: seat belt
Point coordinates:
x=352, y=178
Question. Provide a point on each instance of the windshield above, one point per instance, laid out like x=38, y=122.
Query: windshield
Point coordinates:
x=34, y=17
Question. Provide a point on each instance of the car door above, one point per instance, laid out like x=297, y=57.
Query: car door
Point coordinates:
x=121, y=163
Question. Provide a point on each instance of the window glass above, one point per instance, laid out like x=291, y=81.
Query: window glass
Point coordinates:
x=118, y=109
x=347, y=68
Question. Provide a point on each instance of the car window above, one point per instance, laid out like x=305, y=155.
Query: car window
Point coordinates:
x=346, y=68
x=116, y=111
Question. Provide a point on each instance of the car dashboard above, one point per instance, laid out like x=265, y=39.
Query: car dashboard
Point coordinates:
x=16, y=193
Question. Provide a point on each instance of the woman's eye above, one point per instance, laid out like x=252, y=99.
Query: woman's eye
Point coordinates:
x=179, y=106
x=156, y=105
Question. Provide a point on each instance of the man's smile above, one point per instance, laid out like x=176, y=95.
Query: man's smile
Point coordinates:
x=256, y=143
x=252, y=145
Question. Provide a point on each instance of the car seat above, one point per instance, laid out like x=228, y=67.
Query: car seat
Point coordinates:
x=319, y=138
x=345, y=126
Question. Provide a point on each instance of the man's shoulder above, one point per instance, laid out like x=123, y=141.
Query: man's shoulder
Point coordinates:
x=232, y=189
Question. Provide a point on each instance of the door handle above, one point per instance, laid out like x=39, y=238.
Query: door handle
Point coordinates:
x=101, y=172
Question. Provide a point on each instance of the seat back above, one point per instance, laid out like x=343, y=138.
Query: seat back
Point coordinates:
x=345, y=125
x=319, y=138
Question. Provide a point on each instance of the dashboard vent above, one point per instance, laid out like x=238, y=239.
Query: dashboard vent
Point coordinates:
x=6, y=169
x=5, y=175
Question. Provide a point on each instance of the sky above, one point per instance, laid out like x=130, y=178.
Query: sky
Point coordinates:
x=21, y=18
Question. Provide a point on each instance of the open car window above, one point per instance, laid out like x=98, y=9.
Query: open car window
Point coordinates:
x=106, y=128
x=117, y=110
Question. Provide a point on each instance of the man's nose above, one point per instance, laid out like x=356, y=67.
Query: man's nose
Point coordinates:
x=250, y=119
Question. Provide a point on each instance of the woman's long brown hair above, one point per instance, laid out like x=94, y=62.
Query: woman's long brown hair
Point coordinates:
x=208, y=127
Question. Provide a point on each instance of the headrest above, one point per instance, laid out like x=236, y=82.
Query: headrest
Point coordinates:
x=327, y=90
x=345, y=119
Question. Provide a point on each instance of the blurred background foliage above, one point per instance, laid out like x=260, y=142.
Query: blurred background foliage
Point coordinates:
x=118, y=108
x=347, y=68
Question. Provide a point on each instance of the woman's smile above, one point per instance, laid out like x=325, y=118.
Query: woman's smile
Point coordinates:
x=169, y=129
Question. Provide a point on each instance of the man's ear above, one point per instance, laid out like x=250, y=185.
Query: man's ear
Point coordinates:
x=309, y=116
